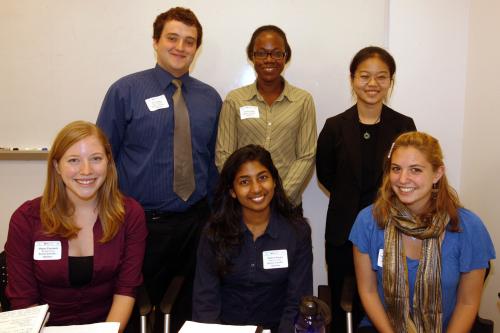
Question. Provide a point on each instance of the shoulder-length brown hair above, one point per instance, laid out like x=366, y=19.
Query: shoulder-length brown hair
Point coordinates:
x=56, y=209
x=446, y=199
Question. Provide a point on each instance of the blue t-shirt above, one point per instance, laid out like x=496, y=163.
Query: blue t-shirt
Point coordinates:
x=469, y=249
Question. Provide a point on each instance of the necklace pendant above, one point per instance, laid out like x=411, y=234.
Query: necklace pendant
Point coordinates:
x=366, y=136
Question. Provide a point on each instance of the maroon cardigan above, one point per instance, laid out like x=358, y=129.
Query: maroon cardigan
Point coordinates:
x=117, y=267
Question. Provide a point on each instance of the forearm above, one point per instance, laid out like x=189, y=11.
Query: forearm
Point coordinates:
x=112, y=120
x=468, y=300
x=462, y=318
x=206, y=285
x=300, y=278
x=367, y=286
x=376, y=312
x=326, y=158
x=120, y=310
x=298, y=174
x=221, y=155
x=22, y=289
x=227, y=135
x=300, y=169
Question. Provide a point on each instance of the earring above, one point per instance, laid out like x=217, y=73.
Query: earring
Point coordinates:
x=434, y=191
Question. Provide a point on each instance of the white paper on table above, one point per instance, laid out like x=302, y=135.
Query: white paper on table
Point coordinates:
x=23, y=320
x=108, y=327
x=194, y=327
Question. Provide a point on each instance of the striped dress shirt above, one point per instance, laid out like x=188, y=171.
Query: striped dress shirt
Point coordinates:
x=142, y=139
x=287, y=129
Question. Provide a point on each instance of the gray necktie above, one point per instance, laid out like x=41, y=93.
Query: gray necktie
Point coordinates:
x=183, y=156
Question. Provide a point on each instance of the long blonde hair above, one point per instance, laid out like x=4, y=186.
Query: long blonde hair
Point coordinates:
x=446, y=198
x=56, y=209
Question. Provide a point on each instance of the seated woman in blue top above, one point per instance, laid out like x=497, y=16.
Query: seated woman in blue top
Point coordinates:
x=255, y=258
x=79, y=248
x=420, y=257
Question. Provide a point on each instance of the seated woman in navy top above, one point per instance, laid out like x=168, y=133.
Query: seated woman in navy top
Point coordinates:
x=420, y=257
x=255, y=258
x=79, y=248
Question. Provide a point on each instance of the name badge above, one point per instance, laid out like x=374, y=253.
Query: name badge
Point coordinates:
x=249, y=111
x=156, y=103
x=380, y=260
x=47, y=250
x=275, y=259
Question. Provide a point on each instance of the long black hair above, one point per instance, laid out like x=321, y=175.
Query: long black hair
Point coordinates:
x=224, y=229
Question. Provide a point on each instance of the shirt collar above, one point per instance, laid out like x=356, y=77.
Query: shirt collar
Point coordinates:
x=165, y=78
x=272, y=227
x=254, y=93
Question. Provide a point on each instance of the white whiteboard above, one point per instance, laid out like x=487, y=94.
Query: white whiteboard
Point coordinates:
x=58, y=58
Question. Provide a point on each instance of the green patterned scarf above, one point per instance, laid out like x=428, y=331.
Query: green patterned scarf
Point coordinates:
x=427, y=312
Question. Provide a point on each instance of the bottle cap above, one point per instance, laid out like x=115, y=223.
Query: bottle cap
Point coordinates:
x=308, y=307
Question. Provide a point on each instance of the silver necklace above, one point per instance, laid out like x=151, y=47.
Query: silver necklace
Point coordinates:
x=367, y=135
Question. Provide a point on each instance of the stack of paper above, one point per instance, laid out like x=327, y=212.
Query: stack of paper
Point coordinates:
x=193, y=327
x=29, y=320
x=32, y=320
x=110, y=327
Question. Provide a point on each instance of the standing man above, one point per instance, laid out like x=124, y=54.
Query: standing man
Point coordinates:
x=162, y=125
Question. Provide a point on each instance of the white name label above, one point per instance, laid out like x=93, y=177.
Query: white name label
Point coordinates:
x=275, y=259
x=156, y=103
x=380, y=260
x=47, y=250
x=249, y=111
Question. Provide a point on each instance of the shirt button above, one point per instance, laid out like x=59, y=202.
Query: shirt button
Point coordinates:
x=252, y=265
x=267, y=138
x=269, y=123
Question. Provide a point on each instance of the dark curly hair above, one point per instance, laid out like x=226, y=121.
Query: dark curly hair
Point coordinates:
x=180, y=14
x=272, y=28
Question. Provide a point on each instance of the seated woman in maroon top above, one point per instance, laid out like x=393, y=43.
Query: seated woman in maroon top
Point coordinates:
x=79, y=248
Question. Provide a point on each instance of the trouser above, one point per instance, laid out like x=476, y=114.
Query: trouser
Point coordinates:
x=170, y=251
x=340, y=265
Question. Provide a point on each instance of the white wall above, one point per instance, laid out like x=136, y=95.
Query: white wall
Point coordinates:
x=481, y=149
x=429, y=41
x=59, y=57
x=447, y=80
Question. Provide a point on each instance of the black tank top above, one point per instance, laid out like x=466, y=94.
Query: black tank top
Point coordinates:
x=80, y=270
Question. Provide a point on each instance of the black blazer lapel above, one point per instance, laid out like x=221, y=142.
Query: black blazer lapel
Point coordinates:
x=386, y=134
x=350, y=131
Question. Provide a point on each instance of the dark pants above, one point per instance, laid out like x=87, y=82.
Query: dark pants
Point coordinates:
x=170, y=251
x=340, y=265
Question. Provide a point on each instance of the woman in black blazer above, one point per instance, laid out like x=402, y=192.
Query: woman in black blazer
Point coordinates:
x=349, y=159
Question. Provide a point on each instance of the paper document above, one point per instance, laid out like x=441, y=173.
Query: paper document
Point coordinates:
x=28, y=320
x=110, y=327
x=193, y=327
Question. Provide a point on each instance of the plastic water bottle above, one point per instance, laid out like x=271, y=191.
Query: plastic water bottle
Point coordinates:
x=309, y=319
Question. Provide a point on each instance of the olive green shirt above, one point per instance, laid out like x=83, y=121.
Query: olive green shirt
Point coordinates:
x=287, y=129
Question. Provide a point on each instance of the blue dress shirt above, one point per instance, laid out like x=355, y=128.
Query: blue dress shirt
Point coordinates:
x=250, y=294
x=142, y=140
